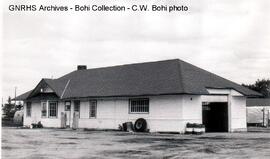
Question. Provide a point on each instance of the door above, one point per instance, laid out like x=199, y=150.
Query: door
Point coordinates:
x=215, y=116
x=68, y=113
x=76, y=114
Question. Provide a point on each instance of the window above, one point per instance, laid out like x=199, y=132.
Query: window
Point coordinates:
x=139, y=105
x=52, y=109
x=43, y=109
x=28, y=109
x=93, y=109
x=67, y=105
x=77, y=106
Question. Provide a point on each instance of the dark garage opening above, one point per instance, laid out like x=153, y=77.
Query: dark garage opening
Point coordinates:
x=215, y=116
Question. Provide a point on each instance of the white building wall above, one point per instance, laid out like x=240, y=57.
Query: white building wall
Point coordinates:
x=214, y=98
x=192, y=110
x=164, y=114
x=238, y=114
x=105, y=115
x=36, y=115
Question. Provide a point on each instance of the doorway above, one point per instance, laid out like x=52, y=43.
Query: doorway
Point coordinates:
x=215, y=116
x=68, y=113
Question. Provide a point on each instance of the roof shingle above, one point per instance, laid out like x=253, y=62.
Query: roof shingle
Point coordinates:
x=151, y=78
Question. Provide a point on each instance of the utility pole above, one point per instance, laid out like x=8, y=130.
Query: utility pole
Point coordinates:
x=15, y=95
x=263, y=116
x=268, y=118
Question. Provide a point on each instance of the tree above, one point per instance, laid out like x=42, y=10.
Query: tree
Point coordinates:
x=9, y=109
x=262, y=86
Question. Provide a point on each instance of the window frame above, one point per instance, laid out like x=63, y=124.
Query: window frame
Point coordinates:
x=56, y=109
x=46, y=108
x=68, y=105
x=90, y=108
x=28, y=113
x=138, y=99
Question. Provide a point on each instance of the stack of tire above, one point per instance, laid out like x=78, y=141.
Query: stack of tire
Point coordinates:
x=140, y=125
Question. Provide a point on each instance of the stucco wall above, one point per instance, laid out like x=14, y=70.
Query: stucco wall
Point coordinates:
x=238, y=114
x=192, y=110
x=36, y=115
x=166, y=113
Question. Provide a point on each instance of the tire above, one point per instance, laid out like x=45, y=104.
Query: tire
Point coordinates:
x=140, y=125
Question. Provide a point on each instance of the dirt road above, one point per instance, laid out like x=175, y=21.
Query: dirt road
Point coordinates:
x=57, y=143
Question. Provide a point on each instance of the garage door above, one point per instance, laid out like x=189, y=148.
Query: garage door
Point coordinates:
x=215, y=116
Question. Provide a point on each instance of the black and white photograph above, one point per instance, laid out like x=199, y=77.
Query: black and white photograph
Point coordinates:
x=142, y=79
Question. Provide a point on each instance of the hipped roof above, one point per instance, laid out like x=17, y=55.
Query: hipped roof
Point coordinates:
x=151, y=78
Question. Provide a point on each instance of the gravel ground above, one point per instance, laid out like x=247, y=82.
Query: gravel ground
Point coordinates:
x=63, y=143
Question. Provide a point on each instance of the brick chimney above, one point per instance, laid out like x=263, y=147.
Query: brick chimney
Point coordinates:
x=81, y=67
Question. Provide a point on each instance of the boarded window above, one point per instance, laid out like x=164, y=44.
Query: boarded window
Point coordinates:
x=28, y=109
x=43, y=109
x=77, y=106
x=93, y=109
x=139, y=105
x=52, y=109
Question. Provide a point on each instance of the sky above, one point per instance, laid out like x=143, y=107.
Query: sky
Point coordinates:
x=226, y=37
